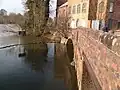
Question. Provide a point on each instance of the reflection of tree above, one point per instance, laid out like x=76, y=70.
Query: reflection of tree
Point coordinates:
x=11, y=51
x=36, y=58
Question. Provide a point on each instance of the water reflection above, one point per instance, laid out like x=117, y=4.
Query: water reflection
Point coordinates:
x=36, y=58
x=39, y=69
x=63, y=69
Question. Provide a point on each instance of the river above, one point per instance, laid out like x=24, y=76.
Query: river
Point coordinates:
x=33, y=67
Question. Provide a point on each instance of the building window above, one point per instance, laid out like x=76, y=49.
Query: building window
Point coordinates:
x=77, y=23
x=73, y=24
x=74, y=9
x=84, y=7
x=101, y=7
x=111, y=7
x=70, y=10
x=78, y=8
x=110, y=23
x=118, y=25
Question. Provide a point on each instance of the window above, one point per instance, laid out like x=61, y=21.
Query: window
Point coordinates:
x=74, y=9
x=111, y=7
x=110, y=23
x=70, y=10
x=101, y=7
x=118, y=25
x=84, y=7
x=78, y=8
x=77, y=23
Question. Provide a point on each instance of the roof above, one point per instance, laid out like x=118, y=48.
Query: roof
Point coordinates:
x=60, y=2
x=65, y=4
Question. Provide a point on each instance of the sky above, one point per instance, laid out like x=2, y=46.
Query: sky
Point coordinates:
x=12, y=6
x=53, y=8
x=16, y=6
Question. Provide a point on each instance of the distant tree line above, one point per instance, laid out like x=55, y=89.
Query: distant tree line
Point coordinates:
x=35, y=18
x=12, y=18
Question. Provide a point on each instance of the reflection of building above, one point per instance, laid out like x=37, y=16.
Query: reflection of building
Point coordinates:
x=3, y=12
x=81, y=12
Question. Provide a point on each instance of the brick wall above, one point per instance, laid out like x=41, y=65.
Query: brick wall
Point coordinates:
x=116, y=10
x=104, y=63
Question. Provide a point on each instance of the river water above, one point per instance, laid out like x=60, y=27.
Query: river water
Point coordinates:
x=33, y=67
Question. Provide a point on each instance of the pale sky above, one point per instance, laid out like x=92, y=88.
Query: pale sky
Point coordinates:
x=12, y=6
x=17, y=7
x=53, y=8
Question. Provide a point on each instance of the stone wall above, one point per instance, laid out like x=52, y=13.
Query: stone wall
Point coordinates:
x=104, y=63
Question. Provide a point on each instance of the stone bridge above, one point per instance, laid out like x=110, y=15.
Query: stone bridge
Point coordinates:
x=97, y=65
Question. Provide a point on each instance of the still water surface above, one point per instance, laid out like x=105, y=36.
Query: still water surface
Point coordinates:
x=39, y=69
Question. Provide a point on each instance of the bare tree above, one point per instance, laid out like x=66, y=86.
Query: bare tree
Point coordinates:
x=12, y=18
x=63, y=26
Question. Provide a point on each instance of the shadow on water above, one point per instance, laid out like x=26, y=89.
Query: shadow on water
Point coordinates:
x=64, y=59
x=33, y=58
x=43, y=67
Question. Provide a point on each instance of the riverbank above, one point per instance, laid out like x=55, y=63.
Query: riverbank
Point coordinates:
x=49, y=38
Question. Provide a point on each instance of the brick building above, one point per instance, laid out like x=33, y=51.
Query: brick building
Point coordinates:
x=115, y=18
x=60, y=2
x=63, y=10
x=62, y=17
x=92, y=13
x=82, y=12
x=108, y=12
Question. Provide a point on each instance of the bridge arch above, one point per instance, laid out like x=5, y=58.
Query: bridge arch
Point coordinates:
x=70, y=49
